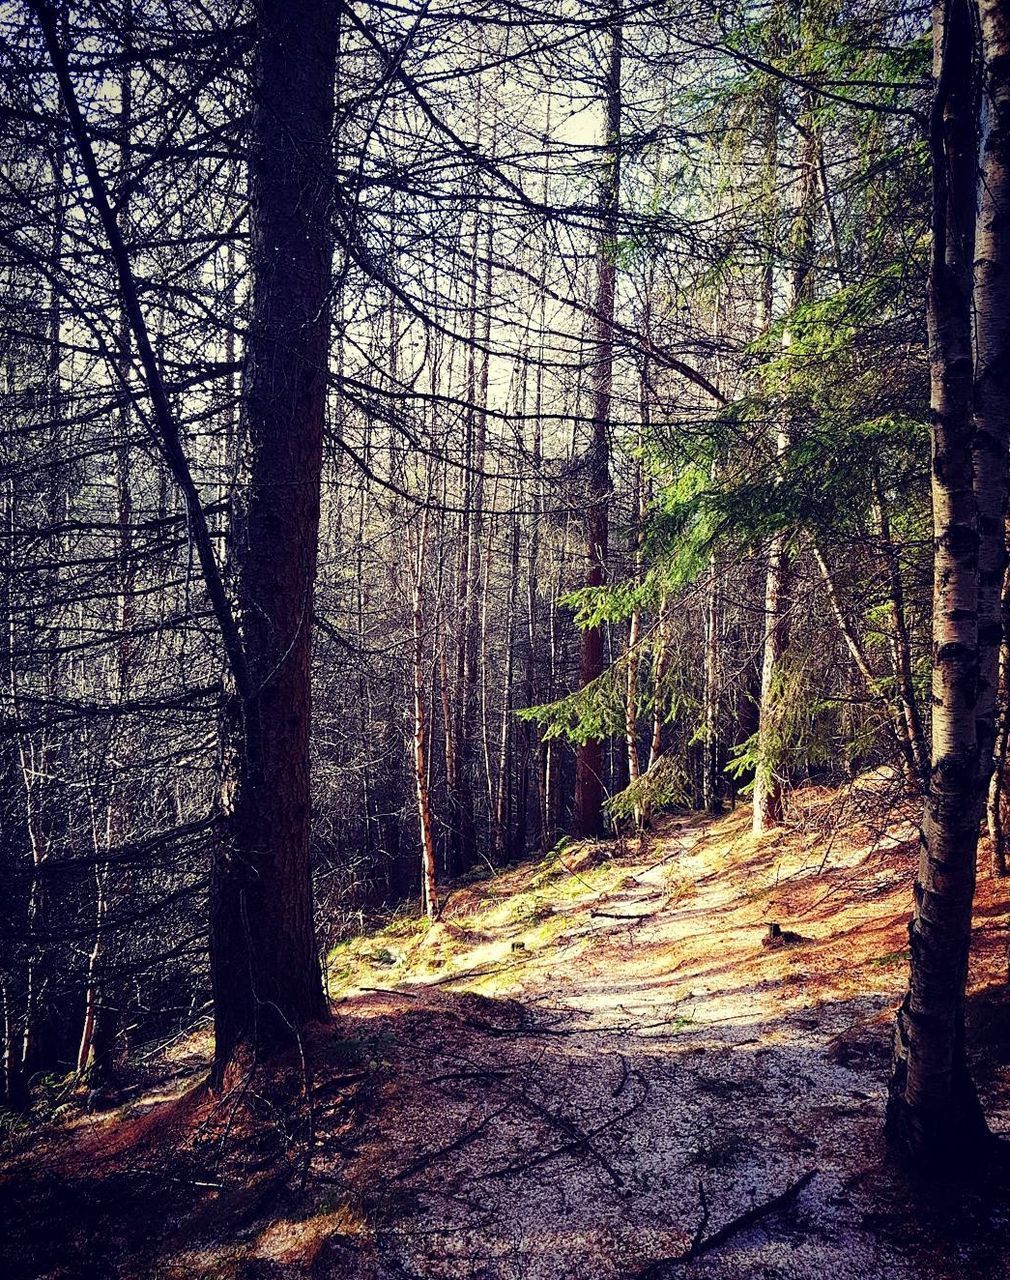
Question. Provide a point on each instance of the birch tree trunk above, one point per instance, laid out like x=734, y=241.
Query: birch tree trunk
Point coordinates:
x=991, y=442
x=767, y=809
x=933, y=1109
x=996, y=799
x=768, y=778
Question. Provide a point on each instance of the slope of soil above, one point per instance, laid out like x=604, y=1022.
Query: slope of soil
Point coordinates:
x=584, y=1068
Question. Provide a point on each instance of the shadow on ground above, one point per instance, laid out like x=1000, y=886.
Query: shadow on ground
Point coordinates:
x=577, y=1126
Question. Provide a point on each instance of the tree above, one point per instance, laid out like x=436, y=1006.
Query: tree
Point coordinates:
x=588, y=814
x=264, y=964
x=933, y=1111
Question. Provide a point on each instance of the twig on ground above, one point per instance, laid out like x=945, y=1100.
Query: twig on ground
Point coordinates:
x=393, y=991
x=477, y=1074
x=429, y=1157
x=581, y=879
x=580, y=1140
x=481, y=971
x=701, y=1243
x=618, y=1088
x=699, y=1233
x=620, y=915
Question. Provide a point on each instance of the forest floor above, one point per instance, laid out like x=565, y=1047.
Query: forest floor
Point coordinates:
x=590, y=1065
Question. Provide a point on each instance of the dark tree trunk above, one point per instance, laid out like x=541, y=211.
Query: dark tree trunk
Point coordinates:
x=588, y=815
x=265, y=968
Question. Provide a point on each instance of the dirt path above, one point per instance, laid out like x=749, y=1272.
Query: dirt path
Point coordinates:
x=663, y=1065
x=580, y=1088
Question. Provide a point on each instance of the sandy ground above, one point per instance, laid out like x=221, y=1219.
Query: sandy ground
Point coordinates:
x=513, y=1106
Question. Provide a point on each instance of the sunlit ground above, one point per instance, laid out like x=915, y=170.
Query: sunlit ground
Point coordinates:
x=553, y=1079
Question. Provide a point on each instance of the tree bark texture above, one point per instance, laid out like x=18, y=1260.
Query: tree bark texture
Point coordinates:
x=265, y=968
x=588, y=815
x=933, y=1110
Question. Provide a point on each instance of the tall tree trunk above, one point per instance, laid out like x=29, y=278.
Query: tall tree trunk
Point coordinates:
x=634, y=642
x=901, y=646
x=996, y=798
x=933, y=1109
x=991, y=442
x=660, y=666
x=95, y=1045
x=41, y=1017
x=90, y=1063
x=588, y=814
x=264, y=964
x=712, y=774
x=466, y=701
x=768, y=778
x=767, y=807
x=502, y=812
x=460, y=788
x=429, y=869
x=892, y=709
x=767, y=796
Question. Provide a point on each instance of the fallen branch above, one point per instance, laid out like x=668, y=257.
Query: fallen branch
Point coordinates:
x=618, y=915
x=484, y=1074
x=429, y=1157
x=392, y=991
x=699, y=1233
x=579, y=1140
x=703, y=1244
x=481, y=971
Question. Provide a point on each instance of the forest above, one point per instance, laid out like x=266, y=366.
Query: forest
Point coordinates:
x=505, y=648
